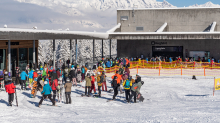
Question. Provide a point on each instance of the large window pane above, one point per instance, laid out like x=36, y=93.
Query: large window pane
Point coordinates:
x=22, y=58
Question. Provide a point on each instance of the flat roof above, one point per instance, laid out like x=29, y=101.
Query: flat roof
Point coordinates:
x=171, y=8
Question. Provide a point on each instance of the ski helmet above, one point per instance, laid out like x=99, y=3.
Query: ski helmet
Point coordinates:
x=67, y=80
x=45, y=82
x=98, y=73
x=142, y=82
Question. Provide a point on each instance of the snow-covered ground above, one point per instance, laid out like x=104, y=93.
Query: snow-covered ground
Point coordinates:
x=167, y=99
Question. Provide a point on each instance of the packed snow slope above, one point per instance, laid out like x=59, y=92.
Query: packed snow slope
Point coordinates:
x=166, y=100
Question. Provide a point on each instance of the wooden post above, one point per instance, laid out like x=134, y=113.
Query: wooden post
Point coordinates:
x=204, y=71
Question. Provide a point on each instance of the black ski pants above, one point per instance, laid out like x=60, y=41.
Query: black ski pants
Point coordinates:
x=127, y=94
x=68, y=97
x=10, y=98
x=133, y=93
x=87, y=88
x=23, y=84
x=99, y=88
x=54, y=95
x=44, y=97
x=115, y=92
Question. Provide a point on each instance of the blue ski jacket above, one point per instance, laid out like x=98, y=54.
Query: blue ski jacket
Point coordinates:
x=23, y=75
x=31, y=73
x=46, y=89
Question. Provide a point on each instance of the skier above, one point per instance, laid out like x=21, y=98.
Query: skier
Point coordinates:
x=99, y=82
x=10, y=89
x=93, y=83
x=46, y=93
x=135, y=90
x=104, y=81
x=67, y=87
x=23, y=80
x=39, y=84
x=118, y=80
x=115, y=87
x=88, y=84
x=127, y=85
x=30, y=74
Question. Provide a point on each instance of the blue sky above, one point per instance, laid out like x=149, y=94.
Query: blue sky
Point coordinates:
x=182, y=3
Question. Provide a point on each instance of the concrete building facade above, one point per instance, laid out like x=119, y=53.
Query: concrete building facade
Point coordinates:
x=184, y=32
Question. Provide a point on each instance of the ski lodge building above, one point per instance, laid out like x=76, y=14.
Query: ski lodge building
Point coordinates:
x=172, y=32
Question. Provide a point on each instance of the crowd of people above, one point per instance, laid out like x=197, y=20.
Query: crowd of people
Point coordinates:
x=56, y=84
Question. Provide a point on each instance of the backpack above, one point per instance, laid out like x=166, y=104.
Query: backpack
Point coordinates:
x=102, y=79
x=127, y=84
x=78, y=72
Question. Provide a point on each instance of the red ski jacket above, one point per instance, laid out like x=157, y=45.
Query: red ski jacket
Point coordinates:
x=93, y=80
x=10, y=88
x=55, y=84
x=35, y=75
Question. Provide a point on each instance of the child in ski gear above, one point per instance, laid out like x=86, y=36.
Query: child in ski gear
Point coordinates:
x=93, y=83
x=46, y=93
x=88, y=84
x=34, y=87
x=10, y=89
x=135, y=90
x=23, y=80
x=115, y=86
x=127, y=85
x=104, y=81
x=99, y=83
x=39, y=84
x=67, y=87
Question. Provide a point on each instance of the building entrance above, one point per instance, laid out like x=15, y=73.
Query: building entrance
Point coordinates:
x=167, y=51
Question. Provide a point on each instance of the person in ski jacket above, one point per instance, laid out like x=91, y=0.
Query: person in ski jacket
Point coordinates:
x=1, y=79
x=67, y=87
x=93, y=83
x=127, y=85
x=115, y=86
x=10, y=89
x=72, y=76
x=46, y=93
x=83, y=73
x=23, y=76
x=99, y=83
x=104, y=85
x=108, y=64
x=88, y=84
x=135, y=90
x=79, y=77
x=138, y=78
x=127, y=71
x=58, y=73
x=121, y=70
x=118, y=77
x=54, y=88
x=30, y=74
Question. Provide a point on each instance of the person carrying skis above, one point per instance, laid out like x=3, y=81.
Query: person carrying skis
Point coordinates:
x=115, y=86
x=88, y=84
x=46, y=93
x=104, y=81
x=127, y=86
x=135, y=90
x=10, y=89
x=99, y=82
x=23, y=76
x=67, y=87
x=93, y=83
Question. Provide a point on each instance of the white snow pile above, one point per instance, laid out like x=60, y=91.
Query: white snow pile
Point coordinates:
x=166, y=100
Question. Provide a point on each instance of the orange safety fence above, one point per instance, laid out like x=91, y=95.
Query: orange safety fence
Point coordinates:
x=175, y=68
